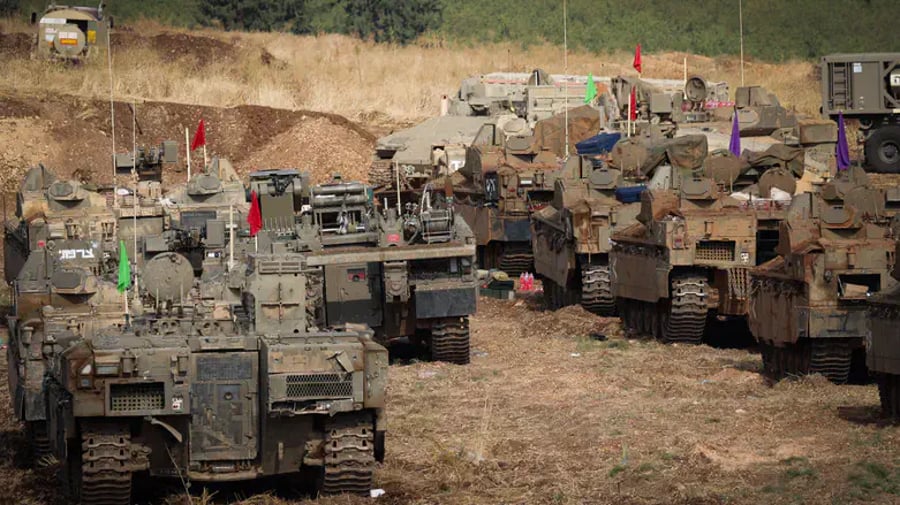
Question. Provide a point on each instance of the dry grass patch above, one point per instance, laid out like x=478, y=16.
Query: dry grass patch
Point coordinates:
x=345, y=75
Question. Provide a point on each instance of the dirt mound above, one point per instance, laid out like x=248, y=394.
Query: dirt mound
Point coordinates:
x=171, y=46
x=319, y=147
x=74, y=135
x=15, y=45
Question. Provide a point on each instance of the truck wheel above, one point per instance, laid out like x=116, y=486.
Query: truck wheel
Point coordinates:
x=883, y=149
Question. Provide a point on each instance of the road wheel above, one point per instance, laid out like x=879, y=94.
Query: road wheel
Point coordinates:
x=883, y=149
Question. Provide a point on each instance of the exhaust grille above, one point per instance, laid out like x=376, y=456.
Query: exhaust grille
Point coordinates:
x=319, y=385
x=715, y=250
x=137, y=397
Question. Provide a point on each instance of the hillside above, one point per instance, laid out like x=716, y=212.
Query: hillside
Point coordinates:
x=773, y=28
x=369, y=82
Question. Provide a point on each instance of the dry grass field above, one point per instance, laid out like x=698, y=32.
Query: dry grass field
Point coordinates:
x=334, y=73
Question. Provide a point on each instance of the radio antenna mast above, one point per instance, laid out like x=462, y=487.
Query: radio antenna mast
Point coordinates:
x=112, y=117
x=566, y=71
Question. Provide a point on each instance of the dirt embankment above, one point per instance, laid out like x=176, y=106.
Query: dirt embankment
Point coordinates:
x=74, y=136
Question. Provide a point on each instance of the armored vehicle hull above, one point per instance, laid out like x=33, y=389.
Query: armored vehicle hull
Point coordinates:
x=407, y=273
x=808, y=306
x=883, y=348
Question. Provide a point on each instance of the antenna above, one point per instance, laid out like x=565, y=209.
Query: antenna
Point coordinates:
x=134, y=176
x=741, y=27
x=112, y=116
x=566, y=71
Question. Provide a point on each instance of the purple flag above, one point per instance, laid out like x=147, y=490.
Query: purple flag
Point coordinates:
x=842, y=151
x=735, y=145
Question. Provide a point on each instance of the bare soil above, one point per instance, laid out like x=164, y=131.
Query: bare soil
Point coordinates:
x=547, y=414
x=73, y=136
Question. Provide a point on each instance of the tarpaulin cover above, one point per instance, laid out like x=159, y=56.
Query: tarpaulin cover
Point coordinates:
x=550, y=133
x=598, y=144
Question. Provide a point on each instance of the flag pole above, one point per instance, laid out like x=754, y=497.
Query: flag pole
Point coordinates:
x=112, y=118
x=187, y=147
x=566, y=65
x=741, y=27
x=230, y=237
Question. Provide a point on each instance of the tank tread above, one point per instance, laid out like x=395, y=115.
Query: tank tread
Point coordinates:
x=450, y=341
x=889, y=393
x=349, y=455
x=380, y=173
x=515, y=261
x=105, y=469
x=831, y=358
x=596, y=291
x=686, y=321
x=39, y=441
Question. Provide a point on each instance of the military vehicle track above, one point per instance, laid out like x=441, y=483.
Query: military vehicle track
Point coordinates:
x=39, y=442
x=105, y=472
x=889, y=392
x=596, y=291
x=830, y=358
x=515, y=258
x=349, y=455
x=380, y=174
x=685, y=321
x=450, y=341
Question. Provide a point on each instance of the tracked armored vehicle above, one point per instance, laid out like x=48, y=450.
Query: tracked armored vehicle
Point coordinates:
x=147, y=162
x=570, y=237
x=58, y=248
x=407, y=273
x=690, y=253
x=808, y=305
x=509, y=173
x=227, y=381
x=883, y=340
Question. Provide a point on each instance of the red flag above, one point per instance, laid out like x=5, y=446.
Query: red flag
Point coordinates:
x=254, y=217
x=199, y=136
x=637, y=59
x=632, y=104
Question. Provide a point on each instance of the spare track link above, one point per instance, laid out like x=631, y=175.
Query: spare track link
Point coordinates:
x=105, y=464
x=515, y=259
x=39, y=440
x=596, y=291
x=889, y=393
x=830, y=358
x=450, y=340
x=349, y=455
x=686, y=320
x=381, y=174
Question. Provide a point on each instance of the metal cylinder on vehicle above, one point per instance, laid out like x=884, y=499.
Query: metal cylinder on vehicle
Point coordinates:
x=168, y=276
x=69, y=41
x=695, y=89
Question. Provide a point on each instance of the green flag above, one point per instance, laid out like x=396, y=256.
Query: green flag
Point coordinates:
x=124, y=269
x=590, y=93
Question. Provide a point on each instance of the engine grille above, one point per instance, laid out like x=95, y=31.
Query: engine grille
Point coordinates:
x=319, y=385
x=714, y=250
x=137, y=397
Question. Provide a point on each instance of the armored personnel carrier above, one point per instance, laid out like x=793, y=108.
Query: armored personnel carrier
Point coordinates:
x=693, y=246
x=58, y=248
x=808, y=305
x=226, y=382
x=595, y=194
x=509, y=173
x=71, y=32
x=147, y=162
x=407, y=273
x=883, y=342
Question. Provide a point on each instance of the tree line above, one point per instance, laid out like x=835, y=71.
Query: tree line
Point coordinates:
x=773, y=29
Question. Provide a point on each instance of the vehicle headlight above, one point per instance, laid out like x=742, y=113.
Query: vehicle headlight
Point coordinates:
x=87, y=369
